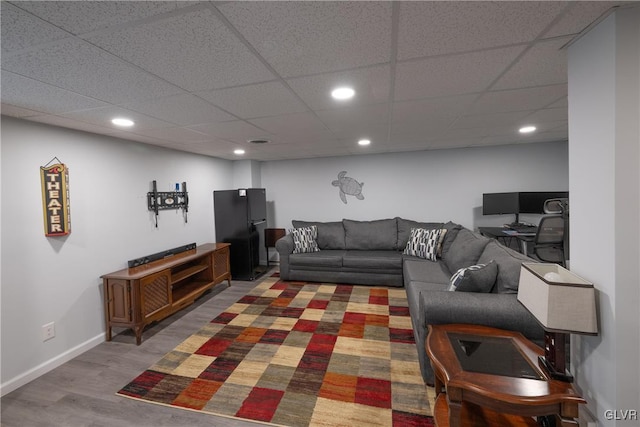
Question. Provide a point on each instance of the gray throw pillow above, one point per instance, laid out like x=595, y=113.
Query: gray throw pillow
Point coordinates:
x=477, y=278
x=330, y=234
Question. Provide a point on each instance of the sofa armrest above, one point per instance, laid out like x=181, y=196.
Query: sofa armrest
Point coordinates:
x=285, y=245
x=502, y=311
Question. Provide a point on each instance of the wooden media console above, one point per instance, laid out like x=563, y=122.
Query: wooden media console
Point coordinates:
x=135, y=297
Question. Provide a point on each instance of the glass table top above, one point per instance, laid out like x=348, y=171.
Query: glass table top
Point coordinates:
x=492, y=355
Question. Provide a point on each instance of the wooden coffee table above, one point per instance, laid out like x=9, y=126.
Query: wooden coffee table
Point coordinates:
x=490, y=377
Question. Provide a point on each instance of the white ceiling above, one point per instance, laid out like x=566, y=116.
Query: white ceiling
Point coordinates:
x=206, y=77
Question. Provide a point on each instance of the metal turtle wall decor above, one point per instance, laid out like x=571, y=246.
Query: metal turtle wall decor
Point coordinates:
x=348, y=186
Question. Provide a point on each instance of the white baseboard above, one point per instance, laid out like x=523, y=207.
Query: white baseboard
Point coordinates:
x=49, y=365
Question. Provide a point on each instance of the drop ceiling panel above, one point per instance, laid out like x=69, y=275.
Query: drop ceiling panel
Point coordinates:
x=178, y=135
x=21, y=30
x=259, y=100
x=299, y=38
x=81, y=68
x=79, y=17
x=13, y=111
x=357, y=122
x=491, y=120
x=183, y=109
x=452, y=75
x=578, y=17
x=371, y=84
x=519, y=99
x=544, y=64
x=452, y=26
x=103, y=116
x=300, y=126
x=195, y=51
x=72, y=124
x=236, y=131
x=32, y=94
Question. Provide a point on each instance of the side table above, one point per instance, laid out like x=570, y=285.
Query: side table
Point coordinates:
x=486, y=376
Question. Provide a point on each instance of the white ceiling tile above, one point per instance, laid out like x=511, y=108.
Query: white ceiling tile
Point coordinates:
x=81, y=68
x=452, y=75
x=37, y=96
x=519, y=99
x=21, y=30
x=299, y=38
x=544, y=64
x=370, y=84
x=79, y=16
x=13, y=111
x=174, y=134
x=357, y=122
x=183, y=109
x=103, y=116
x=236, y=131
x=298, y=126
x=195, y=51
x=438, y=27
x=66, y=122
x=578, y=16
x=259, y=100
x=490, y=120
x=413, y=113
x=550, y=115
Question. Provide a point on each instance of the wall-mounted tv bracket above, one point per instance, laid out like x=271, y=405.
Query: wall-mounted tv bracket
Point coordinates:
x=163, y=200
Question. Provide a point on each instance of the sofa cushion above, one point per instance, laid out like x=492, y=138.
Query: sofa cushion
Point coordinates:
x=330, y=234
x=371, y=235
x=405, y=226
x=465, y=250
x=423, y=243
x=419, y=270
x=509, y=262
x=327, y=258
x=451, y=234
x=476, y=278
x=304, y=239
x=373, y=259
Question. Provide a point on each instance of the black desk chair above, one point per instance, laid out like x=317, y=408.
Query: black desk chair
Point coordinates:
x=548, y=245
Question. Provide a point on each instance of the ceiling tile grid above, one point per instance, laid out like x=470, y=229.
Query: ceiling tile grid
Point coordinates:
x=206, y=77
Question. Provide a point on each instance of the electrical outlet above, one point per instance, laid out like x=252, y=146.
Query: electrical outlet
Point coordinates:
x=48, y=331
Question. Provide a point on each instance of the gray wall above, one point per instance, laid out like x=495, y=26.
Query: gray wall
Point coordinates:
x=604, y=135
x=437, y=185
x=57, y=279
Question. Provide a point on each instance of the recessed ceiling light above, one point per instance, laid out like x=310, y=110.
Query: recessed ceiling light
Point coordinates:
x=238, y=152
x=121, y=121
x=343, y=93
x=364, y=142
x=527, y=129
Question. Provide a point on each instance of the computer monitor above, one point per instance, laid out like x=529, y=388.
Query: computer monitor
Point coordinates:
x=500, y=203
x=532, y=202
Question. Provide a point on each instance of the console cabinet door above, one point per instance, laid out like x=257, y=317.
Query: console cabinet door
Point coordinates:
x=221, y=264
x=155, y=294
x=119, y=301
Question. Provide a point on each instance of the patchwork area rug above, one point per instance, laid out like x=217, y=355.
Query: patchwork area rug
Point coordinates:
x=299, y=354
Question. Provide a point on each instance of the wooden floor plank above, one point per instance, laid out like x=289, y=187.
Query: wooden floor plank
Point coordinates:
x=82, y=391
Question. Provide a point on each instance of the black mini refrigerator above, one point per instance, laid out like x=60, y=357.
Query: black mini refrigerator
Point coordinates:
x=240, y=218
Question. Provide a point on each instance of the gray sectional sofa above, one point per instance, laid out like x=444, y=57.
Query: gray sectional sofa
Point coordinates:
x=371, y=253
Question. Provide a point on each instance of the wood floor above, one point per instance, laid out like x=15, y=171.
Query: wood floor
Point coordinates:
x=82, y=391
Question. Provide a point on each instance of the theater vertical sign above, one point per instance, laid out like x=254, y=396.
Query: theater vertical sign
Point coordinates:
x=55, y=199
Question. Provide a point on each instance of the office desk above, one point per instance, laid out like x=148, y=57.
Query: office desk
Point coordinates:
x=506, y=236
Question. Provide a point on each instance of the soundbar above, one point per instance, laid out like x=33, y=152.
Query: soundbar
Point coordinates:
x=160, y=255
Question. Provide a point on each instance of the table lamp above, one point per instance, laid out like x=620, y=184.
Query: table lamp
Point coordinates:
x=563, y=303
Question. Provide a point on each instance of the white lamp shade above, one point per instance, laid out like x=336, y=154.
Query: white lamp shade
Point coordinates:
x=560, y=300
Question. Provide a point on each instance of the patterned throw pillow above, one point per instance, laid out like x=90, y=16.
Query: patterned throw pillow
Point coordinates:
x=477, y=278
x=423, y=243
x=305, y=239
